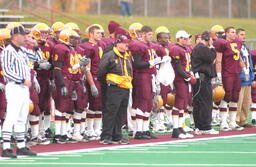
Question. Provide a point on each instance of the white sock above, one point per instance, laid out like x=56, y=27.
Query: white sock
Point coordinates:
x=253, y=114
x=175, y=119
x=41, y=124
x=57, y=123
x=232, y=117
x=169, y=116
x=77, y=125
x=34, y=128
x=145, y=125
x=89, y=124
x=139, y=125
x=97, y=126
x=223, y=118
x=47, y=121
x=192, y=119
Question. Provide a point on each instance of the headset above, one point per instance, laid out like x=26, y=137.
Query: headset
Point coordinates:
x=206, y=36
x=118, y=38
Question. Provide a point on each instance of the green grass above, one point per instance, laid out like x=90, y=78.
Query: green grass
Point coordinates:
x=193, y=25
x=234, y=151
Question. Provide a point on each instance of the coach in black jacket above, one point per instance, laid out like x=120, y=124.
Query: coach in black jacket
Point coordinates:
x=202, y=59
x=115, y=75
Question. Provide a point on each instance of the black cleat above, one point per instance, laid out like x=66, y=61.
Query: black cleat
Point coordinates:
x=253, y=122
x=178, y=134
x=122, y=141
x=58, y=139
x=150, y=134
x=49, y=134
x=25, y=151
x=141, y=135
x=105, y=141
x=8, y=153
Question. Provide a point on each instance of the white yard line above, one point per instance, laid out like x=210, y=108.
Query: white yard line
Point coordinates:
x=124, y=164
x=111, y=147
x=181, y=152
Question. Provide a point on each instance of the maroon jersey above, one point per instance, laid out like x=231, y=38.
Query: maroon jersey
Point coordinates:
x=106, y=41
x=231, y=55
x=75, y=57
x=190, y=48
x=181, y=53
x=160, y=50
x=94, y=52
x=46, y=52
x=62, y=53
x=146, y=51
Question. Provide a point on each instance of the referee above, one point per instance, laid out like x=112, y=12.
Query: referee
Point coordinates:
x=17, y=74
x=202, y=59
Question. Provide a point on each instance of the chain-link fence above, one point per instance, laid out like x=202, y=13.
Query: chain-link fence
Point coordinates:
x=198, y=8
x=162, y=8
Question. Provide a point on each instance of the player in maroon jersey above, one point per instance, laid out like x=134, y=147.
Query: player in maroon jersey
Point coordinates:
x=69, y=88
x=228, y=68
x=145, y=59
x=183, y=77
x=56, y=28
x=94, y=52
x=41, y=32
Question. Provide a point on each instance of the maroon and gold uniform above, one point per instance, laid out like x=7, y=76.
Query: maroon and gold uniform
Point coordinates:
x=142, y=81
x=180, y=53
x=43, y=77
x=62, y=54
x=230, y=67
x=94, y=52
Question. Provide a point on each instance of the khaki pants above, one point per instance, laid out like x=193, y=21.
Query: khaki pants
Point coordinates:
x=243, y=106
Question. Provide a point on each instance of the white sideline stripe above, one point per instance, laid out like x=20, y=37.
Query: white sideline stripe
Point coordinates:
x=144, y=144
x=65, y=155
x=134, y=149
x=182, y=152
x=14, y=160
x=39, y=158
x=92, y=153
x=127, y=164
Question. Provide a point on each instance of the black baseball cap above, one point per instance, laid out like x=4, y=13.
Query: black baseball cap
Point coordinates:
x=18, y=30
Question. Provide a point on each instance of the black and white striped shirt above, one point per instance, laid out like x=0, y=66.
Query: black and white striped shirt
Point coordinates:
x=15, y=64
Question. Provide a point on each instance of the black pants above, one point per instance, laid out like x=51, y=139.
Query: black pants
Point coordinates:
x=114, y=111
x=202, y=104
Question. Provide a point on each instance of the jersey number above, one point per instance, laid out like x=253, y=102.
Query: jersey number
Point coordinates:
x=234, y=49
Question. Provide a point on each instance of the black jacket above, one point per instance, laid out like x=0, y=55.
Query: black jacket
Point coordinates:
x=202, y=60
x=111, y=63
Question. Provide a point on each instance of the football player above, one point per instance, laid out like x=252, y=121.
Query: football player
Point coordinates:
x=228, y=67
x=41, y=32
x=183, y=77
x=94, y=52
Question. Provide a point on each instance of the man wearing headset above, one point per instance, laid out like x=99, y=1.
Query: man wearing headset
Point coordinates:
x=202, y=59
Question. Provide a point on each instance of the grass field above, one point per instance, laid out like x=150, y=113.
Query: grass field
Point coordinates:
x=221, y=151
x=193, y=25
